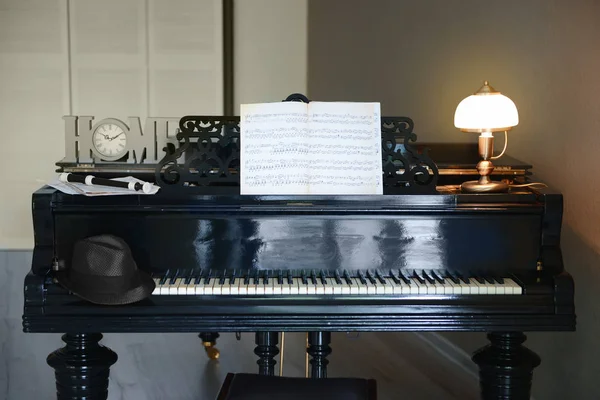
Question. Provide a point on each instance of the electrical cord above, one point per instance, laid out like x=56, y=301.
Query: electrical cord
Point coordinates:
x=530, y=184
x=504, y=149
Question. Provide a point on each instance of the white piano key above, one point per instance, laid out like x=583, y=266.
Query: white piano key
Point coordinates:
x=242, y=288
x=278, y=288
x=371, y=289
x=251, y=287
x=354, y=289
x=336, y=288
x=450, y=287
x=500, y=288
x=329, y=286
x=260, y=287
x=208, y=286
x=234, y=288
x=421, y=287
x=346, y=288
x=413, y=288
x=362, y=288
x=217, y=287
x=295, y=286
x=172, y=287
x=199, y=288
x=388, y=288
x=303, y=287
x=516, y=288
x=319, y=287
x=190, y=288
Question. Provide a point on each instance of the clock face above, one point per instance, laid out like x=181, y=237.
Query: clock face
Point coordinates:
x=110, y=141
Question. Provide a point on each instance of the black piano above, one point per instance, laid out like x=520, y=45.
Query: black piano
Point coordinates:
x=420, y=257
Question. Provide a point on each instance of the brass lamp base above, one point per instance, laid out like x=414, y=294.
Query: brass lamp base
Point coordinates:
x=485, y=169
x=489, y=187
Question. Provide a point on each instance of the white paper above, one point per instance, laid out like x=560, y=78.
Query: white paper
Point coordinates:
x=98, y=190
x=316, y=148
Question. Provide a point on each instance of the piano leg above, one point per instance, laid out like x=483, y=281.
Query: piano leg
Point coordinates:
x=82, y=367
x=266, y=349
x=318, y=348
x=209, y=340
x=506, y=367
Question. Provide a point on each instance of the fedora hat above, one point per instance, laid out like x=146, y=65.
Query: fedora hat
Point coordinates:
x=103, y=271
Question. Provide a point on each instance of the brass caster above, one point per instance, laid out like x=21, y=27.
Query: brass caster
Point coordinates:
x=211, y=351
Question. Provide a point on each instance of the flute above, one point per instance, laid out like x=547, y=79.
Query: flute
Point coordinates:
x=90, y=180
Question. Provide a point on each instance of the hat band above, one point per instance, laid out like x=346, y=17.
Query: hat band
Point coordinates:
x=102, y=284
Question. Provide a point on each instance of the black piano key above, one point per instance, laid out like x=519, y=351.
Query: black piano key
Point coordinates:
x=222, y=278
x=416, y=275
x=267, y=275
x=280, y=277
x=303, y=277
x=188, y=279
x=338, y=279
x=347, y=278
x=361, y=278
x=499, y=280
x=256, y=277
x=208, y=277
x=404, y=275
x=322, y=277
x=426, y=274
x=246, y=277
x=394, y=277
x=313, y=277
x=489, y=280
x=437, y=277
x=164, y=278
x=465, y=279
x=197, y=276
x=450, y=275
x=174, y=277
x=290, y=277
x=380, y=277
x=233, y=277
x=371, y=278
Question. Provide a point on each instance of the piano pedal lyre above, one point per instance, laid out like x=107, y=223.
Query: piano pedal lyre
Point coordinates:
x=209, y=340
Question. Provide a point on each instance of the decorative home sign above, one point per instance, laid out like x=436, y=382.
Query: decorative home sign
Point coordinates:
x=111, y=140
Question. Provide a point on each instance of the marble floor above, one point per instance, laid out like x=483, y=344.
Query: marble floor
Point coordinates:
x=174, y=366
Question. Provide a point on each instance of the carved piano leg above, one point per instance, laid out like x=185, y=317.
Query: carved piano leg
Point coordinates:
x=82, y=367
x=209, y=340
x=318, y=348
x=266, y=349
x=506, y=367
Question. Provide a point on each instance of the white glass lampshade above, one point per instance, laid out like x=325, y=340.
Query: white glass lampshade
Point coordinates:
x=486, y=110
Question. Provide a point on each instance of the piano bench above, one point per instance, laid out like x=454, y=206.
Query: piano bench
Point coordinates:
x=262, y=387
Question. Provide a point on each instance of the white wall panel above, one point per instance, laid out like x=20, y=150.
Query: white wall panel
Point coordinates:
x=34, y=85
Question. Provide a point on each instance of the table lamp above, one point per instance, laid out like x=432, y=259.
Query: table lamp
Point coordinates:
x=486, y=111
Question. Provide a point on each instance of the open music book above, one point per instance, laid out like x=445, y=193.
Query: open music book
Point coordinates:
x=315, y=148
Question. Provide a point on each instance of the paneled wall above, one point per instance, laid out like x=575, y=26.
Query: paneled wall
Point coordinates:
x=122, y=58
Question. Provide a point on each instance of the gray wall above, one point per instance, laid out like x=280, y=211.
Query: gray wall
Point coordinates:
x=421, y=58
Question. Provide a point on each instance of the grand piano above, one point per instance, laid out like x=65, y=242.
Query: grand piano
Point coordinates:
x=421, y=257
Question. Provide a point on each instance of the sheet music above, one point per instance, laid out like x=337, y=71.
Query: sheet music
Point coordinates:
x=345, y=148
x=316, y=148
x=273, y=154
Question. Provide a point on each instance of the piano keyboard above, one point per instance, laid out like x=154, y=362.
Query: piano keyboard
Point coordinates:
x=426, y=282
